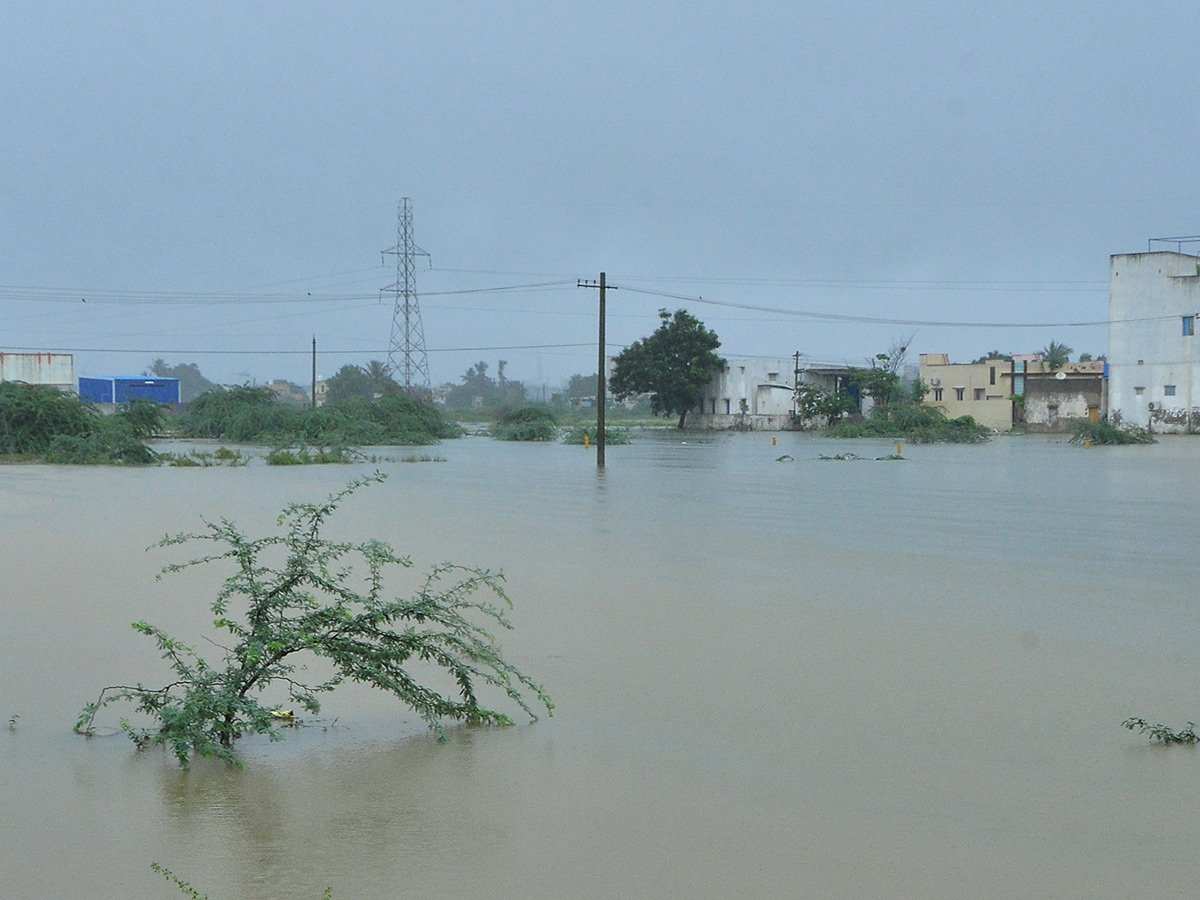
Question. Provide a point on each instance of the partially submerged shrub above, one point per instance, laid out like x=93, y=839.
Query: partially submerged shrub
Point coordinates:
x=314, y=603
x=913, y=422
x=1104, y=433
x=1163, y=734
x=529, y=423
x=612, y=436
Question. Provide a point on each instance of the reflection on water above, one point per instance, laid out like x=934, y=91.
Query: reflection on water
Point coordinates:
x=801, y=678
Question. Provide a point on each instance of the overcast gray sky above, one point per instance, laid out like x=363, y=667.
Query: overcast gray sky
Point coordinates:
x=223, y=176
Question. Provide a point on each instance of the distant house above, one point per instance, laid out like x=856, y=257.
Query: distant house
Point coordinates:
x=752, y=393
x=1153, y=357
x=1055, y=399
x=54, y=369
x=980, y=390
x=1001, y=393
x=124, y=388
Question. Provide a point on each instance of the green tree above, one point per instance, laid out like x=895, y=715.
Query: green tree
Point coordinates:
x=814, y=401
x=304, y=597
x=191, y=383
x=1056, y=355
x=672, y=365
x=350, y=383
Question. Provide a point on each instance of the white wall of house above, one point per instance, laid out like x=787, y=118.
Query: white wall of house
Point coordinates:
x=57, y=369
x=753, y=393
x=1153, y=349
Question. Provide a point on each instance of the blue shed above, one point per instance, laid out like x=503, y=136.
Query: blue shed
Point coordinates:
x=123, y=388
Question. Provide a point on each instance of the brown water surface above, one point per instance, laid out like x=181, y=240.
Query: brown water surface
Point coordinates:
x=797, y=678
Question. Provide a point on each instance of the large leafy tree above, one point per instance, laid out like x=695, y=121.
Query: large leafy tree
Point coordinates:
x=672, y=365
x=191, y=383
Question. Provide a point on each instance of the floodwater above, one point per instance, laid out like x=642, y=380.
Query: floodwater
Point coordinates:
x=796, y=678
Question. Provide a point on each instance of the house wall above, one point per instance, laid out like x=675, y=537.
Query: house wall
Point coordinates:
x=980, y=390
x=1056, y=404
x=56, y=369
x=1154, y=376
x=764, y=385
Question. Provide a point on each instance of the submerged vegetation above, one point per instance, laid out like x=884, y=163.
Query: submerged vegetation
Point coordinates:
x=296, y=596
x=913, y=422
x=41, y=422
x=612, y=436
x=1104, y=433
x=1163, y=734
x=528, y=423
x=252, y=415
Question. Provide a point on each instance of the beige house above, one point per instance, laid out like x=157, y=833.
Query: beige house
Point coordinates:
x=981, y=390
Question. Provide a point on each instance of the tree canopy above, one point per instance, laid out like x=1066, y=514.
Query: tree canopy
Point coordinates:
x=191, y=383
x=672, y=365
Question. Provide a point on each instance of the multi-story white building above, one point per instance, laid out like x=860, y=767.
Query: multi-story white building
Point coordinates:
x=752, y=393
x=1153, y=354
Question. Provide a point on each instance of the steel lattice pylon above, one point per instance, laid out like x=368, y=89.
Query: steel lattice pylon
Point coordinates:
x=407, y=361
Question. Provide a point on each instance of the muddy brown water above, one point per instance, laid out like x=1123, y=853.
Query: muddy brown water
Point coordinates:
x=797, y=678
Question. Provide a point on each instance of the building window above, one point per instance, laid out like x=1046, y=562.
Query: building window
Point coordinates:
x=1139, y=391
x=978, y=393
x=772, y=376
x=1168, y=390
x=726, y=406
x=1189, y=326
x=960, y=393
x=713, y=408
x=992, y=375
x=937, y=395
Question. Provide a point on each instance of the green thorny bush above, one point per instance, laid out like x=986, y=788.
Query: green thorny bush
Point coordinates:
x=1104, y=433
x=528, y=423
x=913, y=422
x=44, y=422
x=316, y=604
x=254, y=415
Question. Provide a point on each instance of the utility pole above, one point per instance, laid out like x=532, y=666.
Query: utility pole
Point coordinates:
x=313, y=403
x=406, y=349
x=601, y=372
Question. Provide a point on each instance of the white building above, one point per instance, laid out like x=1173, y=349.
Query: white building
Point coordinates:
x=55, y=369
x=1153, y=355
x=751, y=393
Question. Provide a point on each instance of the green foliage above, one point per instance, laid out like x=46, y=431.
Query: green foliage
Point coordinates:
x=1104, y=433
x=222, y=456
x=673, y=365
x=253, y=415
x=353, y=383
x=56, y=426
x=1056, y=355
x=992, y=354
x=1162, y=734
x=912, y=422
x=612, y=436
x=32, y=415
x=529, y=423
x=816, y=402
x=301, y=596
x=480, y=390
x=306, y=457
x=145, y=418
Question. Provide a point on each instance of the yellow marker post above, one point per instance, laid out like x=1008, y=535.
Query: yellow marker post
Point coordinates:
x=774, y=441
x=587, y=441
x=899, y=449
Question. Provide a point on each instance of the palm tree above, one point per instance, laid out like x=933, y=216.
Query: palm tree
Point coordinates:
x=1056, y=355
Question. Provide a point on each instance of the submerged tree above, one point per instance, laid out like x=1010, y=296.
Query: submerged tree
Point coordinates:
x=315, y=604
x=672, y=365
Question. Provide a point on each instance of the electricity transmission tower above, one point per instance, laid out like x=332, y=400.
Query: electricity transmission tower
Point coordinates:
x=407, y=361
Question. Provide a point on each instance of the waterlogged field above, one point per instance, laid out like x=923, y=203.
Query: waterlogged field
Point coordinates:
x=797, y=678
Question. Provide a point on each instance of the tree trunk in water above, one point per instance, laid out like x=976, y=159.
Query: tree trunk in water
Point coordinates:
x=682, y=416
